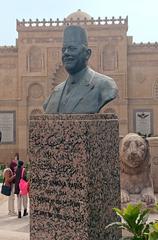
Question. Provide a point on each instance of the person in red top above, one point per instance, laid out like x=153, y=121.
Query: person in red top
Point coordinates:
x=21, y=198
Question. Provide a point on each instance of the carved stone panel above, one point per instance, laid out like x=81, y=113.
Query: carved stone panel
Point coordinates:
x=143, y=121
x=155, y=89
x=109, y=58
x=35, y=90
x=35, y=95
x=35, y=60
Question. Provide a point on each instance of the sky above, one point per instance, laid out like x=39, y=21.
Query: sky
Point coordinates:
x=142, y=15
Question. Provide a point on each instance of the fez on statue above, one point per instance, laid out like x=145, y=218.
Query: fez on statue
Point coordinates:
x=84, y=91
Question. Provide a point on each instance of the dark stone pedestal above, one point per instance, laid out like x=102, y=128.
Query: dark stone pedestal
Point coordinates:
x=74, y=176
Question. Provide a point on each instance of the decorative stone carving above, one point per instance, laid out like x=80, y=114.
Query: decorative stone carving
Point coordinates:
x=35, y=96
x=109, y=58
x=35, y=90
x=155, y=89
x=140, y=77
x=135, y=169
x=153, y=143
x=143, y=121
x=59, y=76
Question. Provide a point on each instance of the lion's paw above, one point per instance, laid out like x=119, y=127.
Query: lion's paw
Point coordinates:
x=124, y=196
x=147, y=196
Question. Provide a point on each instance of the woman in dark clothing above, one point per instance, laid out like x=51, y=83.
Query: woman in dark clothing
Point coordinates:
x=20, y=198
x=12, y=166
x=8, y=181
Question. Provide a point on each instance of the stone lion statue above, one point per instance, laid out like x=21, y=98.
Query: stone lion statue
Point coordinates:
x=135, y=169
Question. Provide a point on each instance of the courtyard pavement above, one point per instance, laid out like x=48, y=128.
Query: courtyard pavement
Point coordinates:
x=12, y=228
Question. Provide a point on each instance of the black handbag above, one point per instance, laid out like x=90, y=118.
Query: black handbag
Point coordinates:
x=5, y=190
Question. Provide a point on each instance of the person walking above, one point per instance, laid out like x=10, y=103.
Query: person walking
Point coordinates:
x=21, y=199
x=8, y=181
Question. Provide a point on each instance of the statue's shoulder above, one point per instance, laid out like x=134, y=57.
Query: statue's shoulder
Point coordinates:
x=103, y=80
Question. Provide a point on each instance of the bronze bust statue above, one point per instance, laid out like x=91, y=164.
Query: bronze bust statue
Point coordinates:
x=85, y=91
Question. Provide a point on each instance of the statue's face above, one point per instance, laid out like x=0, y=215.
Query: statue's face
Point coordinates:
x=133, y=150
x=74, y=57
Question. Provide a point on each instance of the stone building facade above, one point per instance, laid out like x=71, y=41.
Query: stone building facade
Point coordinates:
x=32, y=68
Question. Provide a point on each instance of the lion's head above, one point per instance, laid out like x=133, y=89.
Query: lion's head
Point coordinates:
x=134, y=151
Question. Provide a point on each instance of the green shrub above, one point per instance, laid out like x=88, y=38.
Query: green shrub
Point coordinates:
x=2, y=167
x=153, y=231
x=1, y=179
x=134, y=220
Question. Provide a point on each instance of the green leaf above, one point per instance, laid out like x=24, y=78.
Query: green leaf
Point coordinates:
x=118, y=224
x=135, y=219
x=143, y=216
x=156, y=206
x=153, y=236
x=153, y=227
x=113, y=224
x=119, y=212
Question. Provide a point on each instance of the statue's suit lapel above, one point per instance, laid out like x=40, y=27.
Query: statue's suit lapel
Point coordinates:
x=80, y=91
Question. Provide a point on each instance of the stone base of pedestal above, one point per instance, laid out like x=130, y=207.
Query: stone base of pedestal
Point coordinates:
x=75, y=179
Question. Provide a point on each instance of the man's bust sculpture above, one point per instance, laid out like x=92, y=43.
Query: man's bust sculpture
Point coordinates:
x=85, y=91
